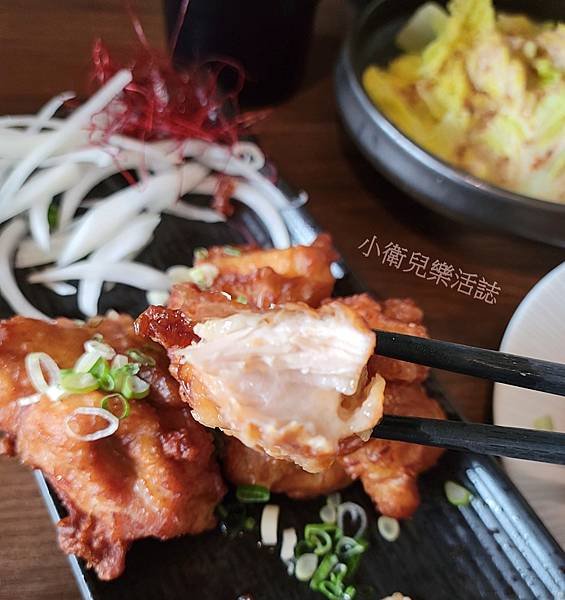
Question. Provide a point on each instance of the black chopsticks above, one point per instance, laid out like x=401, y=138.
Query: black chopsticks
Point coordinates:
x=513, y=442
x=520, y=371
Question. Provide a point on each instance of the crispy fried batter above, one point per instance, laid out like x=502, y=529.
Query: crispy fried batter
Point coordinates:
x=267, y=277
x=242, y=466
x=389, y=470
x=396, y=315
x=155, y=476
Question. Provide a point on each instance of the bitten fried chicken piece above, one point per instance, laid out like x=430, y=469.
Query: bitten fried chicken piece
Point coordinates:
x=155, y=476
x=290, y=381
x=266, y=277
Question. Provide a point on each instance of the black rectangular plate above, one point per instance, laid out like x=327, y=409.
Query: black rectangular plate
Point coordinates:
x=496, y=548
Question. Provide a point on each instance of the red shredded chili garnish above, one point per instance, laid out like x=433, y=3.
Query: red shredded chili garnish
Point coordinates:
x=165, y=102
x=223, y=195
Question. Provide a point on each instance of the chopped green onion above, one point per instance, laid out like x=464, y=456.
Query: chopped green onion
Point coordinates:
x=52, y=216
x=338, y=572
x=105, y=404
x=318, y=538
x=323, y=571
x=328, y=513
x=120, y=375
x=269, y=524
x=356, y=513
x=288, y=545
x=134, y=387
x=78, y=383
x=347, y=547
x=302, y=547
x=241, y=299
x=202, y=275
x=103, y=374
x=38, y=363
x=352, y=566
x=104, y=350
x=349, y=593
x=252, y=493
x=306, y=567
x=544, y=423
x=120, y=360
x=231, y=251
x=457, y=494
x=389, y=528
x=140, y=357
x=200, y=253
x=86, y=361
x=333, y=590
x=334, y=499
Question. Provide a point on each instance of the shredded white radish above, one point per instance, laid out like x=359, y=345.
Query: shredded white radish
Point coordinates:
x=61, y=288
x=129, y=273
x=269, y=524
x=9, y=238
x=11, y=121
x=45, y=184
x=42, y=156
x=189, y=176
x=74, y=195
x=29, y=254
x=16, y=144
x=109, y=216
x=48, y=110
x=110, y=429
x=221, y=159
x=252, y=198
x=39, y=223
x=72, y=126
x=194, y=213
x=130, y=241
x=289, y=540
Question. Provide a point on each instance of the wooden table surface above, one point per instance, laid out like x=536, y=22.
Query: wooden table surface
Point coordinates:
x=45, y=49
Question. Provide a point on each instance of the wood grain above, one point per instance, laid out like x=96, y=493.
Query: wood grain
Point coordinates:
x=45, y=49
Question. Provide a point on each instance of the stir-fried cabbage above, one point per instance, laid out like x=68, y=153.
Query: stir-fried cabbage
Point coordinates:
x=482, y=91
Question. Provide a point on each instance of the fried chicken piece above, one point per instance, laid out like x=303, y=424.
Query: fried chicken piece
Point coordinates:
x=155, y=476
x=244, y=466
x=398, y=316
x=400, y=462
x=267, y=277
x=291, y=381
x=389, y=470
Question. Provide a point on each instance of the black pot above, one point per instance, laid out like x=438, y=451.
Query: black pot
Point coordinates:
x=430, y=180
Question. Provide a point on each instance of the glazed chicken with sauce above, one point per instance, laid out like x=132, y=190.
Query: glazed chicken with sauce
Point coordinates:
x=387, y=469
x=155, y=476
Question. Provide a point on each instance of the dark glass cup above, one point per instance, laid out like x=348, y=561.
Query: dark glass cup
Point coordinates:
x=268, y=38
